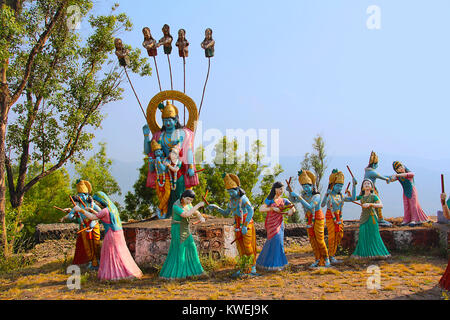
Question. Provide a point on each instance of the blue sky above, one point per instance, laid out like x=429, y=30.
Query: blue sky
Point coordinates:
x=304, y=67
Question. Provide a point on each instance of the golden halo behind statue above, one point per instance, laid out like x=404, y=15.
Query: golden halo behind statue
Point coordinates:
x=171, y=95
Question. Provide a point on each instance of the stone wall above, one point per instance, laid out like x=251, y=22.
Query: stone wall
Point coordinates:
x=149, y=241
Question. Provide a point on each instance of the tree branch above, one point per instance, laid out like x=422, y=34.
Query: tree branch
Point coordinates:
x=37, y=49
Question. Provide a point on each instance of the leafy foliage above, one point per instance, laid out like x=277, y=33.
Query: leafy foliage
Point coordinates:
x=316, y=160
x=141, y=203
x=97, y=171
x=55, y=82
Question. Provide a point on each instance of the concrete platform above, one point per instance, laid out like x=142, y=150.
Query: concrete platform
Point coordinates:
x=149, y=241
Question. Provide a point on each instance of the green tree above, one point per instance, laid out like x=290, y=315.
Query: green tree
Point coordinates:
x=255, y=177
x=56, y=82
x=38, y=205
x=142, y=202
x=316, y=160
x=97, y=170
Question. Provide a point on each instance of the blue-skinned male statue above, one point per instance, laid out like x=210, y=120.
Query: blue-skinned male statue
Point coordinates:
x=241, y=210
x=172, y=136
x=372, y=175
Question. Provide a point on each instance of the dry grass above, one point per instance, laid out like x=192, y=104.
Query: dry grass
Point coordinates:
x=402, y=277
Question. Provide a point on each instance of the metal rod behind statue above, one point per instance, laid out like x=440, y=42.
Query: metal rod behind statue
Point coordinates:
x=204, y=87
x=132, y=87
x=157, y=73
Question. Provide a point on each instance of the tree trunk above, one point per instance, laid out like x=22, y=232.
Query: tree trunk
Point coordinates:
x=4, y=106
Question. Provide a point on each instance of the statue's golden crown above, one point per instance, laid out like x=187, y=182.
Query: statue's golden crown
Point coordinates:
x=84, y=186
x=306, y=177
x=373, y=158
x=231, y=181
x=168, y=111
x=155, y=146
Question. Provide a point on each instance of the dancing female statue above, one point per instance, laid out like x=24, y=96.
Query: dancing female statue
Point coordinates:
x=116, y=261
x=370, y=244
x=413, y=213
x=182, y=260
x=272, y=256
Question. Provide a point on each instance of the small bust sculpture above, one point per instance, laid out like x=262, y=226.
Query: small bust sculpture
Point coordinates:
x=121, y=53
x=166, y=40
x=149, y=43
x=182, y=43
x=208, y=43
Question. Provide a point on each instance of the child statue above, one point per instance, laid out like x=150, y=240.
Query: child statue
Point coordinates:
x=162, y=178
x=208, y=43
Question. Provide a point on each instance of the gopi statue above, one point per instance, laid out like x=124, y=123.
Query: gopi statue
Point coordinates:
x=116, y=261
x=182, y=44
x=413, y=213
x=241, y=209
x=272, y=255
x=371, y=174
x=208, y=43
x=370, y=244
x=182, y=259
x=310, y=200
x=334, y=201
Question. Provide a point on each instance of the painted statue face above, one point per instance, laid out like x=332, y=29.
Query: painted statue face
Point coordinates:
x=367, y=186
x=279, y=191
x=166, y=30
x=401, y=169
x=169, y=123
x=159, y=153
x=146, y=32
x=233, y=193
x=118, y=44
x=187, y=200
x=99, y=203
x=173, y=156
x=307, y=188
x=208, y=34
x=338, y=187
x=181, y=33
